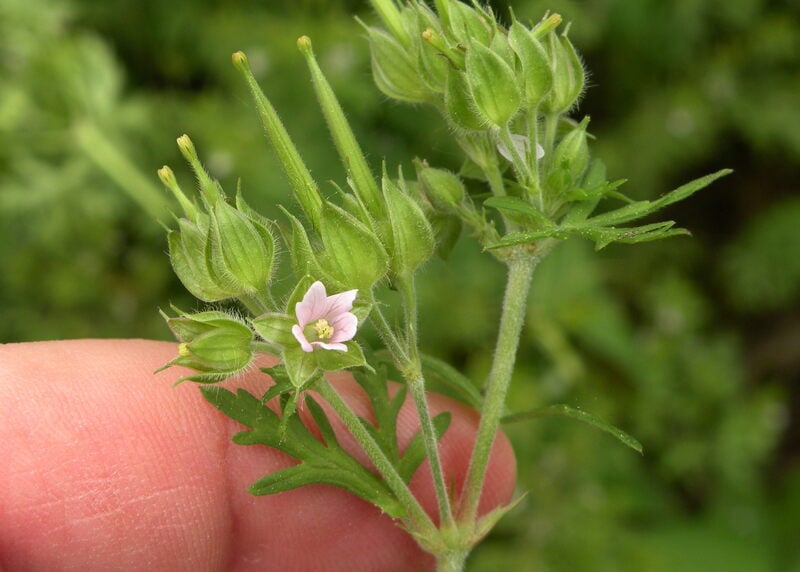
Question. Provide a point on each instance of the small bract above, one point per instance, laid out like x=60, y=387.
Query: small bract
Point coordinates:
x=325, y=321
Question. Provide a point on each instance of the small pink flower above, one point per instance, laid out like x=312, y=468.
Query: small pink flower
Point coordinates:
x=325, y=321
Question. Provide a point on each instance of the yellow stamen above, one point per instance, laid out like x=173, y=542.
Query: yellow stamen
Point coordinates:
x=323, y=329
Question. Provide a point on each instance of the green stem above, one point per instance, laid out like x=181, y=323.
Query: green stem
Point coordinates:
x=520, y=271
x=412, y=372
x=550, y=129
x=451, y=561
x=423, y=525
x=519, y=163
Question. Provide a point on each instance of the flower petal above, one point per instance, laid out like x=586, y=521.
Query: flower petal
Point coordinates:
x=344, y=327
x=331, y=346
x=301, y=337
x=312, y=306
x=339, y=304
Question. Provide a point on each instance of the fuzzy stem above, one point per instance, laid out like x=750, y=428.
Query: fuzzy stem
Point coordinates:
x=520, y=271
x=451, y=561
x=409, y=364
x=423, y=524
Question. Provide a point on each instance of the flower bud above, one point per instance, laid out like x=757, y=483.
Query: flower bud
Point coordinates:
x=468, y=25
x=394, y=71
x=458, y=103
x=413, y=240
x=355, y=256
x=188, y=248
x=570, y=158
x=568, y=75
x=493, y=85
x=444, y=189
x=238, y=252
x=536, y=72
x=304, y=261
x=213, y=343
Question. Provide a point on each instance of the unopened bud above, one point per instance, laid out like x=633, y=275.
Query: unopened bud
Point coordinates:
x=413, y=239
x=394, y=71
x=493, y=85
x=214, y=344
x=568, y=75
x=444, y=189
x=240, y=254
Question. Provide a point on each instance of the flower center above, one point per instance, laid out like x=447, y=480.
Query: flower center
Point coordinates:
x=323, y=329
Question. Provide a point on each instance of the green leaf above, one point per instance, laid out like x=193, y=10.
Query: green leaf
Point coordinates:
x=333, y=360
x=300, y=365
x=321, y=419
x=463, y=387
x=640, y=209
x=572, y=413
x=320, y=463
x=517, y=205
x=414, y=454
x=384, y=409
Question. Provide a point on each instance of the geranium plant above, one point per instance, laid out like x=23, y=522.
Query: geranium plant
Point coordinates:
x=508, y=93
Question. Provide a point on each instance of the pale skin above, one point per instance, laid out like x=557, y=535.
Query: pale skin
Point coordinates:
x=105, y=466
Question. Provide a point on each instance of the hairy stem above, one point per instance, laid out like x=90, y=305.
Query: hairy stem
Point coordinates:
x=423, y=524
x=520, y=271
x=409, y=364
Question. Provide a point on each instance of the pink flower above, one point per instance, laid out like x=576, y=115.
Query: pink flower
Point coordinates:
x=325, y=321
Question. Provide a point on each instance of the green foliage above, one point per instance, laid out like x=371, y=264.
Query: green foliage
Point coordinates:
x=320, y=461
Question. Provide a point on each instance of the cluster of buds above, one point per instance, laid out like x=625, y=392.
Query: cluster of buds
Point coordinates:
x=466, y=63
x=220, y=250
x=504, y=91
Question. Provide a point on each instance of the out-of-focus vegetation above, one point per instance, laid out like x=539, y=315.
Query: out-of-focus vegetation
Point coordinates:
x=692, y=345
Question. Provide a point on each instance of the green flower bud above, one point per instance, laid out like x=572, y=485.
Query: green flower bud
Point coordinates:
x=239, y=252
x=355, y=256
x=188, y=252
x=493, y=85
x=392, y=19
x=568, y=75
x=304, y=261
x=413, y=238
x=214, y=344
x=394, y=70
x=458, y=103
x=570, y=158
x=468, y=25
x=536, y=72
x=444, y=189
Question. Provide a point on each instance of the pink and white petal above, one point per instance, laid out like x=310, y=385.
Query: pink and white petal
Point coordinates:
x=313, y=304
x=331, y=346
x=339, y=303
x=297, y=331
x=344, y=327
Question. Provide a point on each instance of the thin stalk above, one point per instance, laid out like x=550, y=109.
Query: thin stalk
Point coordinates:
x=533, y=160
x=387, y=335
x=550, y=128
x=412, y=371
x=520, y=271
x=498, y=188
x=416, y=514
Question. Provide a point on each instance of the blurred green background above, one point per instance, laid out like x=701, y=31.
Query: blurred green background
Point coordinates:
x=691, y=345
